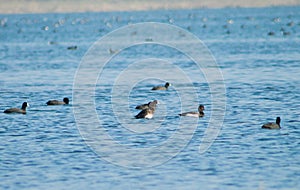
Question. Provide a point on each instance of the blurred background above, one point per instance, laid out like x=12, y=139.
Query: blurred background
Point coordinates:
x=63, y=6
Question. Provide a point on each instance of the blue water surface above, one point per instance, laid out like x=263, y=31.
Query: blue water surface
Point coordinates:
x=257, y=51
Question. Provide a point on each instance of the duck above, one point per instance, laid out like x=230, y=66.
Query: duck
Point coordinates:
x=56, y=102
x=145, y=106
x=148, y=112
x=200, y=112
x=72, y=47
x=272, y=125
x=18, y=110
x=162, y=87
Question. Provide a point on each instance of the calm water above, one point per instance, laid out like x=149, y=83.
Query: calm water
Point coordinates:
x=257, y=51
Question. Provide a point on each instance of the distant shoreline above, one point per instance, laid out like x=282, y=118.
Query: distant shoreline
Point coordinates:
x=74, y=6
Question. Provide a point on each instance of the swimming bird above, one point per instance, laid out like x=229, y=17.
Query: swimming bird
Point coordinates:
x=56, y=102
x=272, y=125
x=162, y=87
x=145, y=106
x=200, y=112
x=271, y=33
x=72, y=47
x=18, y=110
x=148, y=112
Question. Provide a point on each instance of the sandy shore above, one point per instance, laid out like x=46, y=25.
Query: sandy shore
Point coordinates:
x=60, y=6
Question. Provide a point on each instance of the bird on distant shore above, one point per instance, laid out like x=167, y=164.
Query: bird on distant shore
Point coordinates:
x=145, y=106
x=148, y=112
x=200, y=112
x=272, y=125
x=18, y=110
x=56, y=102
x=162, y=87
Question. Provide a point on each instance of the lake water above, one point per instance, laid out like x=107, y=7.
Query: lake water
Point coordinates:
x=61, y=147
